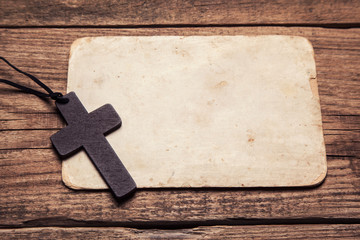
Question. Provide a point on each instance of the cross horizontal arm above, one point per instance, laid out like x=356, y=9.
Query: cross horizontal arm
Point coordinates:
x=67, y=141
x=105, y=118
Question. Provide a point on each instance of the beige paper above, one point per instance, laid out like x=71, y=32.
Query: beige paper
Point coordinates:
x=203, y=111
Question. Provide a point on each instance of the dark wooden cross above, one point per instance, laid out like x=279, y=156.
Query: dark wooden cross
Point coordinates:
x=87, y=130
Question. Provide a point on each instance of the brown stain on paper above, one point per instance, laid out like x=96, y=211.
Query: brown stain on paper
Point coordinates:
x=314, y=87
x=221, y=84
x=251, y=136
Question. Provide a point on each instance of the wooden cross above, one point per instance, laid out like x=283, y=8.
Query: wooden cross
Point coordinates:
x=87, y=130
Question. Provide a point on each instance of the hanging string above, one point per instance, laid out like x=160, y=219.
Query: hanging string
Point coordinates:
x=57, y=96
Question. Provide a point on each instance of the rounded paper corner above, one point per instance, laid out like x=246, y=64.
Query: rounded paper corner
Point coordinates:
x=305, y=41
x=305, y=44
x=319, y=179
x=77, y=43
x=68, y=180
x=308, y=42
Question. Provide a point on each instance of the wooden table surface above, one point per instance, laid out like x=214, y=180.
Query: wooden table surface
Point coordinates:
x=34, y=203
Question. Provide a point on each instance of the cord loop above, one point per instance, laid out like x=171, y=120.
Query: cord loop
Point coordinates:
x=57, y=96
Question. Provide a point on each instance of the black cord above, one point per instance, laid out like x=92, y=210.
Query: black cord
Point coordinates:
x=57, y=96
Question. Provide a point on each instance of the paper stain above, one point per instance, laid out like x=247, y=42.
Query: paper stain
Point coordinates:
x=314, y=87
x=172, y=175
x=221, y=84
x=99, y=81
x=181, y=52
x=211, y=102
x=288, y=90
x=250, y=136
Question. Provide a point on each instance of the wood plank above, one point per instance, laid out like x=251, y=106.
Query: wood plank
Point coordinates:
x=50, y=120
x=26, y=139
x=212, y=232
x=338, y=142
x=31, y=178
x=157, y=12
x=338, y=86
x=34, y=195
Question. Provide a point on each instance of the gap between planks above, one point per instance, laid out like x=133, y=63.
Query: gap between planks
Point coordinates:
x=67, y=222
x=179, y=26
x=213, y=232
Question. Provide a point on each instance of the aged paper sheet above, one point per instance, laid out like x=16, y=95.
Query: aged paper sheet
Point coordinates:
x=203, y=111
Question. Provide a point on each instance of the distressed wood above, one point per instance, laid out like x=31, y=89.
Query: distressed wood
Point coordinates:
x=320, y=231
x=338, y=141
x=189, y=12
x=31, y=177
x=34, y=191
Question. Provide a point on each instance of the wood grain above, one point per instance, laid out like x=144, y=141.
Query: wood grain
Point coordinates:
x=189, y=12
x=35, y=196
x=30, y=170
x=214, y=232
